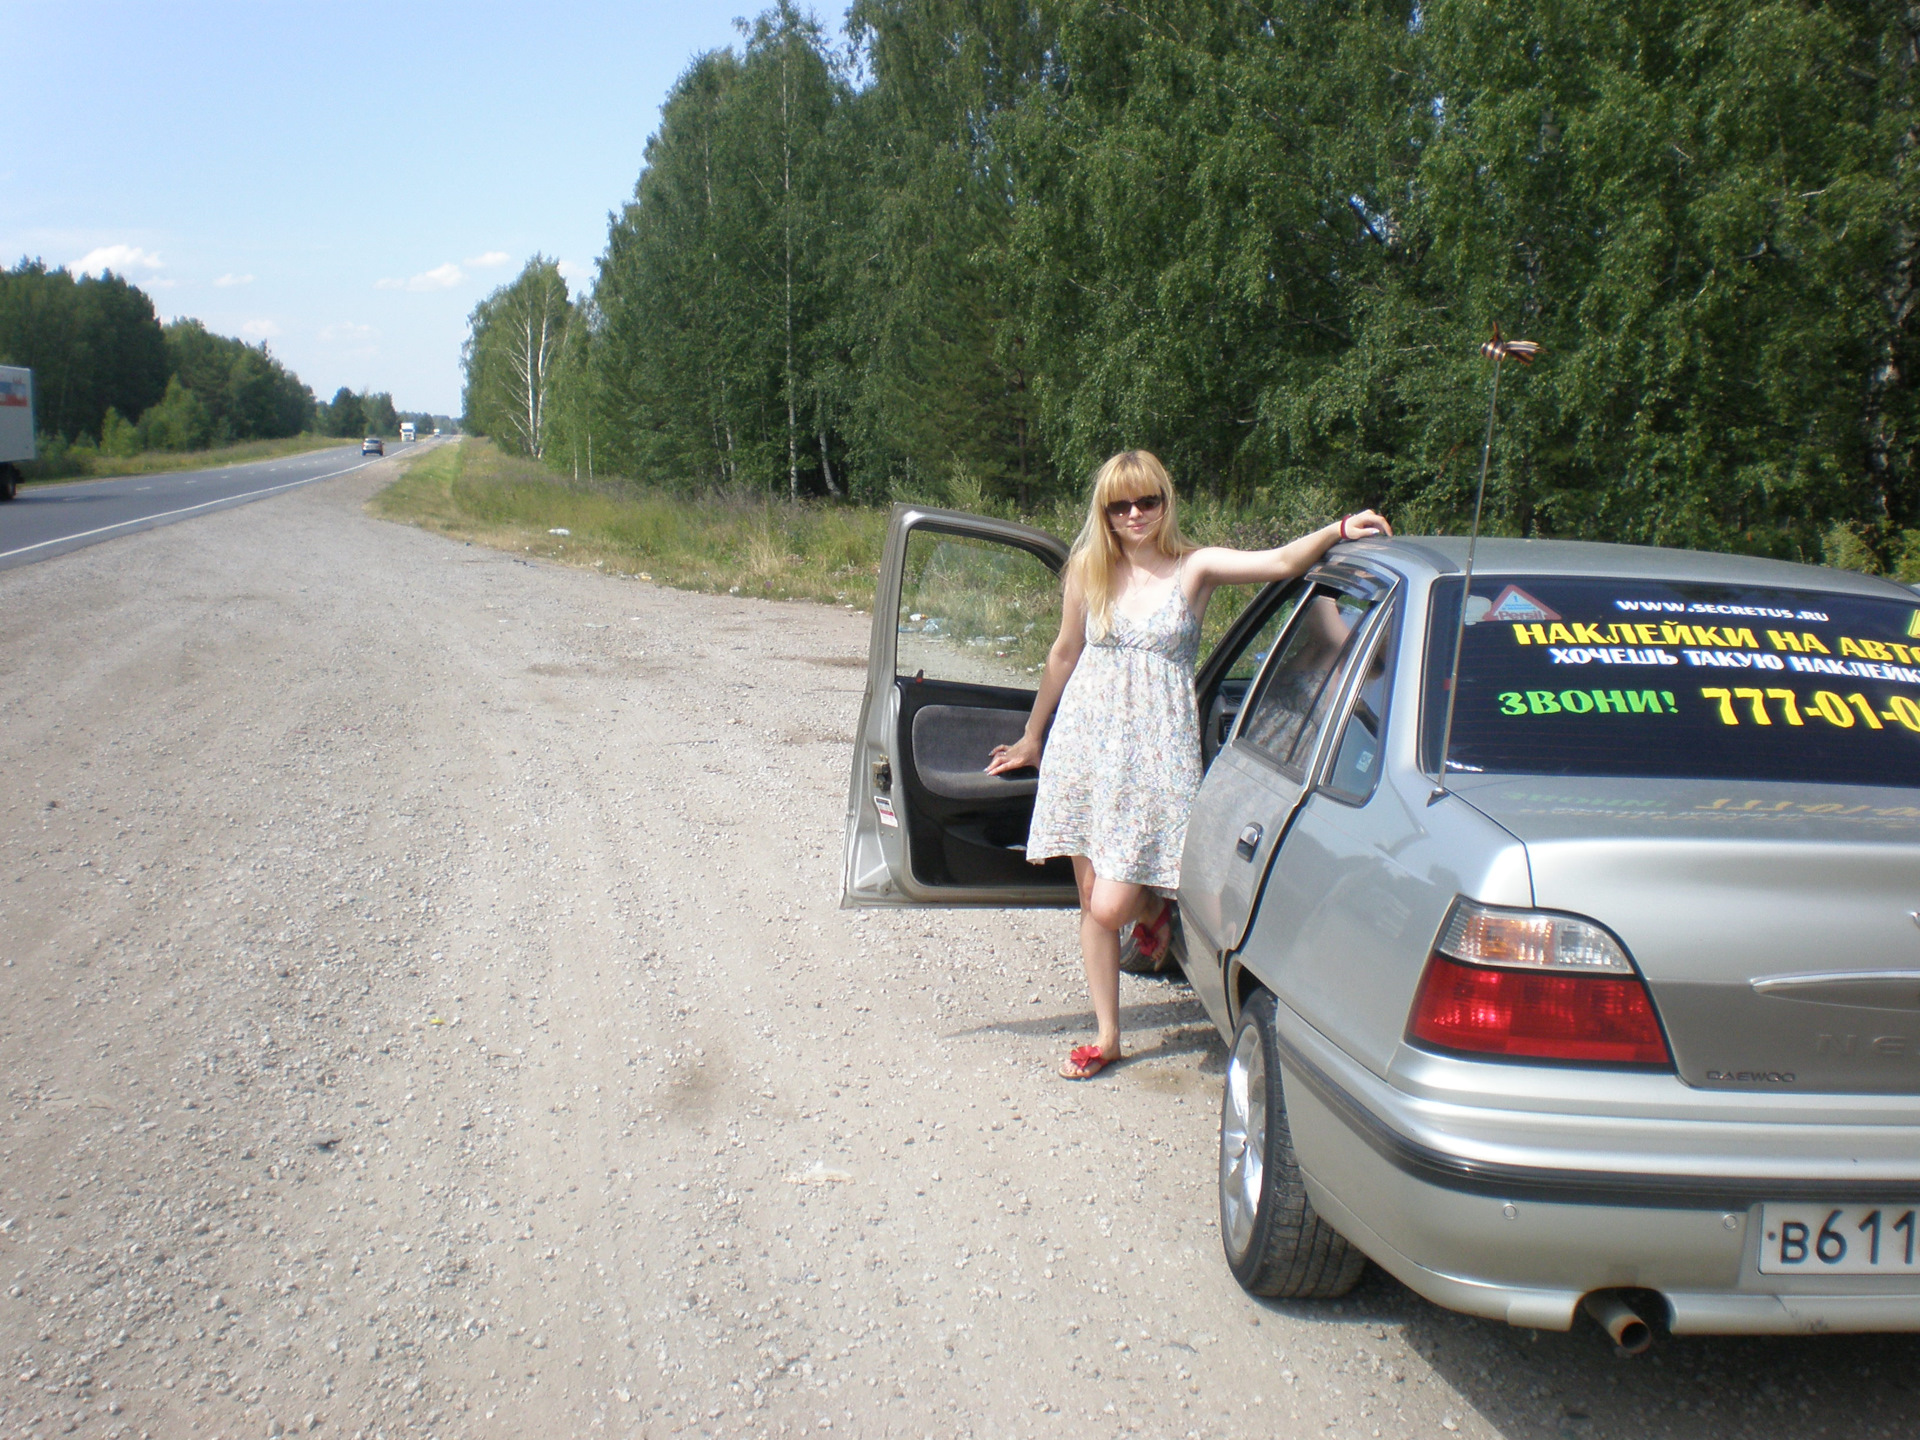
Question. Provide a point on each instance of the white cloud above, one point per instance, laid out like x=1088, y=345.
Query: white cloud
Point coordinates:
x=159, y=283
x=441, y=277
x=489, y=260
x=571, y=271
x=118, y=258
x=225, y=280
x=347, y=330
x=260, y=329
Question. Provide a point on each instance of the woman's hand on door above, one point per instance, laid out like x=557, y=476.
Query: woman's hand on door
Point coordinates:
x=1023, y=754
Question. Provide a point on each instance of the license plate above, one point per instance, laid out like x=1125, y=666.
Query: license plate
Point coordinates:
x=1840, y=1239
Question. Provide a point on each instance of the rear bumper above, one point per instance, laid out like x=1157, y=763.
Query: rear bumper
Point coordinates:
x=1523, y=1243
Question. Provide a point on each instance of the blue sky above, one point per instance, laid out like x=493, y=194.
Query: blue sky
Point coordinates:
x=344, y=181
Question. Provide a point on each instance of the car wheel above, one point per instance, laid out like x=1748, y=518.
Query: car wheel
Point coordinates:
x=1276, y=1245
x=9, y=482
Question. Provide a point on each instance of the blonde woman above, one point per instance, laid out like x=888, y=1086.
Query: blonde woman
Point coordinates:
x=1119, y=769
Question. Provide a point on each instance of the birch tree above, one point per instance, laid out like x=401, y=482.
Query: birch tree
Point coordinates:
x=781, y=184
x=512, y=354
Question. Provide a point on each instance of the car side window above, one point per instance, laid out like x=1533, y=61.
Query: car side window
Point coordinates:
x=1247, y=663
x=974, y=610
x=1297, y=686
x=1355, y=772
x=1229, y=689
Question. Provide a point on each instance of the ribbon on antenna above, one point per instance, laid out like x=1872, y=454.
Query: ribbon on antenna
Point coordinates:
x=1497, y=349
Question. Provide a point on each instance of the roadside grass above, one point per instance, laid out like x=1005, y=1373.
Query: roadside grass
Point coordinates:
x=85, y=463
x=714, y=543
x=747, y=545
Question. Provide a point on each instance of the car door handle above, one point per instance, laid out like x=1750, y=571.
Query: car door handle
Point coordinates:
x=1249, y=842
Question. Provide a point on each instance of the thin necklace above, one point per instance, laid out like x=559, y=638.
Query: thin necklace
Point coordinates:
x=1140, y=569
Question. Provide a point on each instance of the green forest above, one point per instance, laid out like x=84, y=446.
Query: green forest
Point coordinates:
x=110, y=378
x=988, y=242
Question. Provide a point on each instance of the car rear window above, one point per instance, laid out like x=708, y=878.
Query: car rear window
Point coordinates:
x=1587, y=676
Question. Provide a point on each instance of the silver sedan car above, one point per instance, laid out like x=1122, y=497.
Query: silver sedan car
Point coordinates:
x=1616, y=1003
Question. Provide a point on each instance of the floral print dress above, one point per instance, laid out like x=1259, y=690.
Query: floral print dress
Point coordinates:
x=1122, y=761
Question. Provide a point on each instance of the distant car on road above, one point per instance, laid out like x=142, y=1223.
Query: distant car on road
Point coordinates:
x=372, y=446
x=406, y=433
x=1611, y=994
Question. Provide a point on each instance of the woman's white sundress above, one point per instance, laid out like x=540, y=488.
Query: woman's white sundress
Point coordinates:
x=1122, y=761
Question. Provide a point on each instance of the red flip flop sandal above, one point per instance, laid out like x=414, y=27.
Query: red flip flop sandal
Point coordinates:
x=1089, y=1060
x=1152, y=937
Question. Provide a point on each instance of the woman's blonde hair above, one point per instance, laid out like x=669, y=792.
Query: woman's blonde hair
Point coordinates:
x=1127, y=476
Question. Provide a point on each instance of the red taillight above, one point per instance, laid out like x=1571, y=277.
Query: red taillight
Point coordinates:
x=1537, y=1015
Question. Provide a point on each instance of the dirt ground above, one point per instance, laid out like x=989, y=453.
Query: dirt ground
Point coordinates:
x=426, y=1012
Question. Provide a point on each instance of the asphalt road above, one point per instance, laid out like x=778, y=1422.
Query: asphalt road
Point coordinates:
x=49, y=520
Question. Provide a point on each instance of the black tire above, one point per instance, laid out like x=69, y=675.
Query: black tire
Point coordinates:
x=1276, y=1245
x=9, y=482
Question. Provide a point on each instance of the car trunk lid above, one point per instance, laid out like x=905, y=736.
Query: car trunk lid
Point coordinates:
x=1775, y=924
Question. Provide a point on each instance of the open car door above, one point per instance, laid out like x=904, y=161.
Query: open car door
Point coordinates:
x=964, y=612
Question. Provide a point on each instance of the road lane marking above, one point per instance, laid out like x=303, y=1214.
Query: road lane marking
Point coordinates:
x=79, y=486
x=187, y=510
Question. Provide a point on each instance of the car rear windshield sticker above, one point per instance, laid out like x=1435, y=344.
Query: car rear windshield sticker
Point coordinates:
x=1515, y=604
x=1827, y=705
x=1680, y=679
x=1582, y=702
x=1708, y=607
x=1724, y=647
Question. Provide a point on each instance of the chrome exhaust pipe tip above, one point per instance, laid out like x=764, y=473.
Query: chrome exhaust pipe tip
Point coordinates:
x=1631, y=1334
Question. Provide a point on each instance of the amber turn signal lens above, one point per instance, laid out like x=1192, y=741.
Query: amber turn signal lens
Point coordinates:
x=1533, y=939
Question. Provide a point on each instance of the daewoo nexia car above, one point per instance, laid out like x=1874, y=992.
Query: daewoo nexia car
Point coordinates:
x=1621, y=1004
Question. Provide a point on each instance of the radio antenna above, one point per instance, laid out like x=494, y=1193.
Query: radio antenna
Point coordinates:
x=1499, y=351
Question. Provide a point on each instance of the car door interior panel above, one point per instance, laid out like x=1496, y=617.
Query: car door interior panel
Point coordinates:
x=965, y=827
x=951, y=744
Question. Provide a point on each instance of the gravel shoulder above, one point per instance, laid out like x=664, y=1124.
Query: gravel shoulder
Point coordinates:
x=427, y=1012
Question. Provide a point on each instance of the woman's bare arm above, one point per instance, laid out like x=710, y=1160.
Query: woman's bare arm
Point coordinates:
x=1215, y=565
x=1062, y=656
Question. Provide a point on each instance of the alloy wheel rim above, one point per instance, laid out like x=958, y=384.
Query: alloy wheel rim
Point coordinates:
x=1243, y=1139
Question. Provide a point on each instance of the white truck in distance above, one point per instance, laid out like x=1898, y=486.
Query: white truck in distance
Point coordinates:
x=16, y=426
x=406, y=432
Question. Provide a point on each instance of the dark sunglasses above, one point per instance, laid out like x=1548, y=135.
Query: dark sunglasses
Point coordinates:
x=1146, y=505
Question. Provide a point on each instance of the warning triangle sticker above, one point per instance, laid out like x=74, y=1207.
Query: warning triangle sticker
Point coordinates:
x=1513, y=603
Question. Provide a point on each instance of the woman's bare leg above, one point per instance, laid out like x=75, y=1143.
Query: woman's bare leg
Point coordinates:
x=1105, y=905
